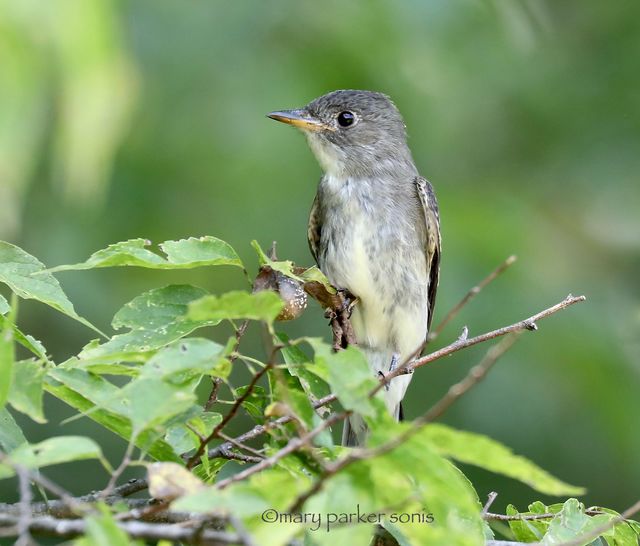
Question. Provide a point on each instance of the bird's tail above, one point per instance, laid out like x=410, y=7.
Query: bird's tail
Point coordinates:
x=355, y=429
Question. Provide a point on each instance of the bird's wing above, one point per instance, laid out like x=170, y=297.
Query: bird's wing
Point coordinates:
x=315, y=228
x=432, y=242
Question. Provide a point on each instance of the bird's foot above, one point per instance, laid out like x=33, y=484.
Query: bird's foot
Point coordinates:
x=347, y=301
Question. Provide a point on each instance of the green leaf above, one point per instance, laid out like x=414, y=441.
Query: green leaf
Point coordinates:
x=27, y=277
x=569, y=524
x=83, y=384
x=182, y=254
x=27, y=341
x=155, y=319
x=264, y=305
x=349, y=376
x=7, y=357
x=479, y=450
x=4, y=305
x=285, y=266
x=26, y=390
x=298, y=364
x=527, y=530
x=412, y=482
x=11, y=435
x=61, y=449
x=186, y=359
x=184, y=439
x=154, y=402
x=313, y=274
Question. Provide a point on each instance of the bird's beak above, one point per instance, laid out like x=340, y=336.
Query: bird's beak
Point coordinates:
x=300, y=119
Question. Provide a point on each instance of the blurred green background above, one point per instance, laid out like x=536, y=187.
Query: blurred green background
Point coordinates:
x=145, y=118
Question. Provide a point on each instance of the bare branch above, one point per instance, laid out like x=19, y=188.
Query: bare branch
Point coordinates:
x=463, y=342
x=177, y=532
x=472, y=293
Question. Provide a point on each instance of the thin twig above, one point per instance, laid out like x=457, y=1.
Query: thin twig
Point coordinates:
x=472, y=293
x=126, y=461
x=293, y=445
x=490, y=498
x=240, y=445
x=234, y=408
x=463, y=342
x=475, y=375
x=213, y=395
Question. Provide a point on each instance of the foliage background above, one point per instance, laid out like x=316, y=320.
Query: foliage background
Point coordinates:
x=133, y=118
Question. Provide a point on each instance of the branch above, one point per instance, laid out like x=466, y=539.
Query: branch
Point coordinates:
x=463, y=341
x=175, y=532
x=472, y=293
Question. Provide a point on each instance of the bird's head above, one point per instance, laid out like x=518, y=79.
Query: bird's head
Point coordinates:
x=352, y=133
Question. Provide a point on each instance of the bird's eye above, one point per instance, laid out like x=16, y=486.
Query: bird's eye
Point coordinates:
x=345, y=119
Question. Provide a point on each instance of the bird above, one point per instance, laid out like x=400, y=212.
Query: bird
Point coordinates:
x=374, y=230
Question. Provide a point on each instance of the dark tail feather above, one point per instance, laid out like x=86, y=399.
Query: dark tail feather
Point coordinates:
x=355, y=429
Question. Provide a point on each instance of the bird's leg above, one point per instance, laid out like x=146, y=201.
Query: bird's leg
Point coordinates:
x=348, y=301
x=392, y=366
x=394, y=362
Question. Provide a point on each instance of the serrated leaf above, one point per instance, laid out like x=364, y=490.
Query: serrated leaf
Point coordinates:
x=26, y=389
x=11, y=435
x=349, y=376
x=28, y=342
x=182, y=254
x=155, y=319
x=27, y=277
x=299, y=364
x=148, y=441
x=186, y=359
x=4, y=305
x=265, y=306
x=61, y=449
x=482, y=451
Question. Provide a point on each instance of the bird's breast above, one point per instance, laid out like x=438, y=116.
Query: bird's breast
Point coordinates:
x=368, y=247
